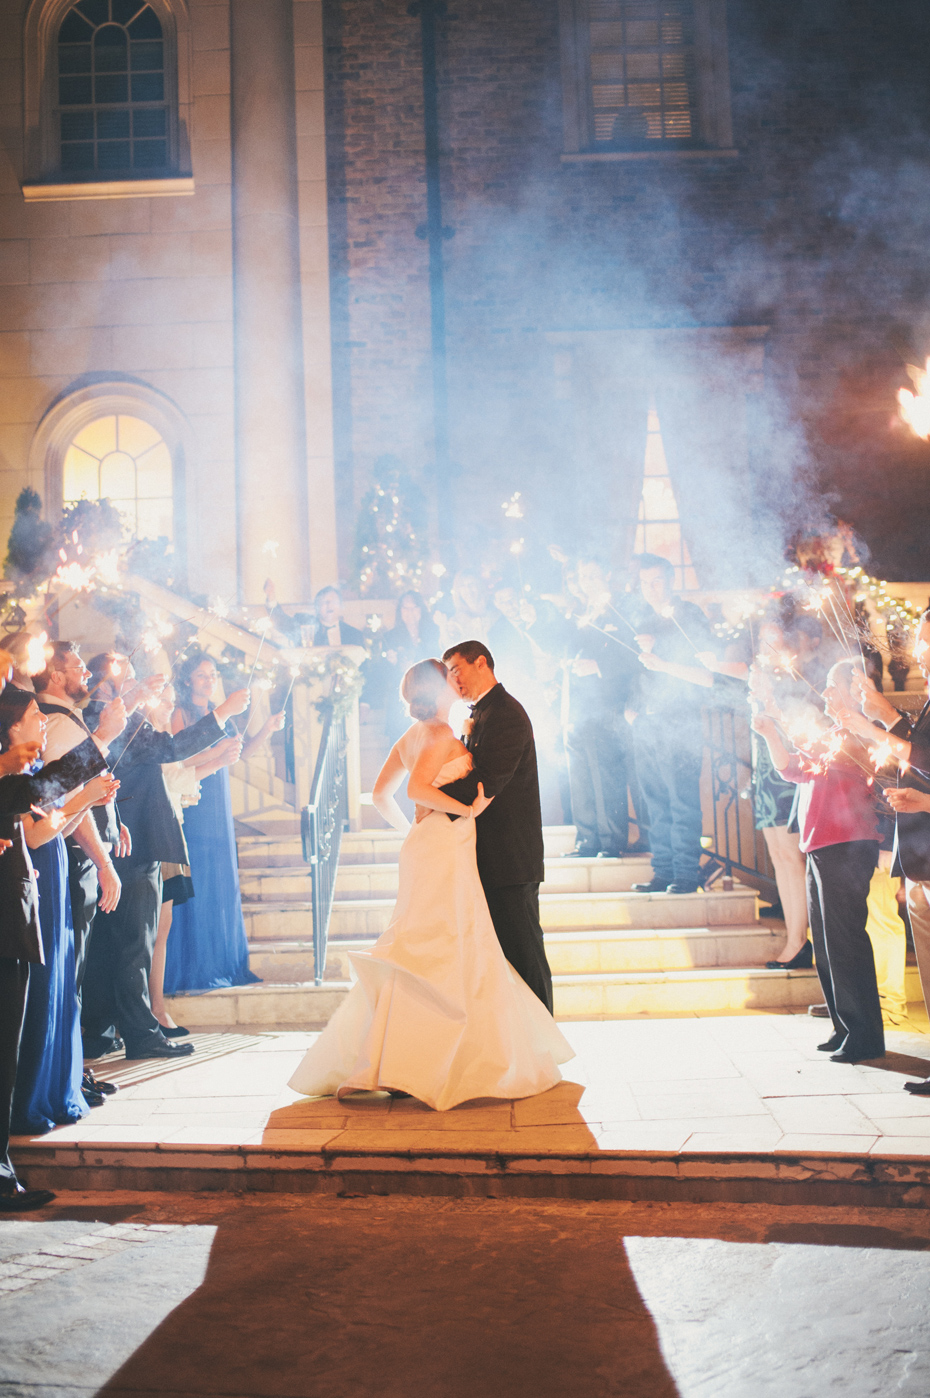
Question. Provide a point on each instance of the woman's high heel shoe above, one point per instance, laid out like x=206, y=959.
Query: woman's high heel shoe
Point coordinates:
x=802, y=962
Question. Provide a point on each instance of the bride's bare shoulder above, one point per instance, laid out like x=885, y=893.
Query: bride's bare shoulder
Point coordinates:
x=427, y=735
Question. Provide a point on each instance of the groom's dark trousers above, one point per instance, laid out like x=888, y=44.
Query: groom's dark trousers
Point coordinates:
x=509, y=833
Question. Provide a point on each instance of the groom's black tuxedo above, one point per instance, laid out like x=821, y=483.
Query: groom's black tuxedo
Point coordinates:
x=509, y=833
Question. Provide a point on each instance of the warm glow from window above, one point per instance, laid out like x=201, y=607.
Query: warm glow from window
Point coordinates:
x=124, y=460
x=659, y=530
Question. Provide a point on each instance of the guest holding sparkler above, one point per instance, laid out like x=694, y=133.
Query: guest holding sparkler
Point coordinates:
x=667, y=725
x=840, y=836
x=49, y=1078
x=207, y=948
x=20, y=934
x=906, y=744
x=117, y=996
x=183, y=789
x=603, y=674
x=62, y=685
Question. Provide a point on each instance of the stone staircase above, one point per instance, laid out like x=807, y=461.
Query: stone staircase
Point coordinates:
x=614, y=953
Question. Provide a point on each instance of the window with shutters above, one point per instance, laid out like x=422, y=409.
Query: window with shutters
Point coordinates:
x=644, y=76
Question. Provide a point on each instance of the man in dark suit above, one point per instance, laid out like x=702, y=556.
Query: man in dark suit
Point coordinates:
x=910, y=746
x=20, y=937
x=508, y=834
x=116, y=988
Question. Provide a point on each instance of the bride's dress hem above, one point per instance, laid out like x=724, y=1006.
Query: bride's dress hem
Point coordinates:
x=436, y=1010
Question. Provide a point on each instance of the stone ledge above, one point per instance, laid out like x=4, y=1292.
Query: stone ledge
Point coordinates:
x=108, y=189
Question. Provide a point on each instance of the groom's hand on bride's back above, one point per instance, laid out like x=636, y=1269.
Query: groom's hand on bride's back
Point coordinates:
x=481, y=802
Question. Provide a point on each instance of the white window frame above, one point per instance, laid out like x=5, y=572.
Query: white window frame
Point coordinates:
x=714, y=136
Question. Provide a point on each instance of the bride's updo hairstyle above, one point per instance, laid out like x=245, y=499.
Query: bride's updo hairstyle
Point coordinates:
x=422, y=688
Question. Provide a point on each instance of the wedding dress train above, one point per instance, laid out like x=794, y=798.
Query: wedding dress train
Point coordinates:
x=436, y=1010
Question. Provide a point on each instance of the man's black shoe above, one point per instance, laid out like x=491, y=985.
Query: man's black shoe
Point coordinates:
x=653, y=886
x=161, y=1049
x=92, y=1098
x=20, y=1200
x=682, y=886
x=92, y=1084
x=582, y=852
x=97, y=1048
x=834, y=1042
x=854, y=1055
x=919, y=1089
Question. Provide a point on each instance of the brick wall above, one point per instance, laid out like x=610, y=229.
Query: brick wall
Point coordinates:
x=816, y=229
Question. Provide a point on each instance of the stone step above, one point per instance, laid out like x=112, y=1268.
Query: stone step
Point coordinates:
x=383, y=846
x=289, y=919
x=569, y=953
x=287, y=880
x=617, y=995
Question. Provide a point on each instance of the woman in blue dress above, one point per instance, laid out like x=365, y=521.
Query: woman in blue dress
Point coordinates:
x=207, y=948
x=51, y=1061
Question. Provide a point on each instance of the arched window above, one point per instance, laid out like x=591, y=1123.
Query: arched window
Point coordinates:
x=659, y=528
x=113, y=112
x=125, y=460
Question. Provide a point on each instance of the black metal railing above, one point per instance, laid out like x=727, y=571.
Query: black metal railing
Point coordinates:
x=734, y=843
x=321, y=824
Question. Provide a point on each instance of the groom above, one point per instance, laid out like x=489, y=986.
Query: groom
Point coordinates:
x=509, y=833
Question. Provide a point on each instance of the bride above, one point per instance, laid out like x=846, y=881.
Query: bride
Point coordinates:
x=436, y=1012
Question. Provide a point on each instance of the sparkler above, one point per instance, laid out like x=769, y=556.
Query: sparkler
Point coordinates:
x=610, y=636
x=295, y=671
x=669, y=614
x=915, y=407
x=264, y=626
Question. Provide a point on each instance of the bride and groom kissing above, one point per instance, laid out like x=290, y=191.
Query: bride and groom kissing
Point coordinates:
x=454, y=1001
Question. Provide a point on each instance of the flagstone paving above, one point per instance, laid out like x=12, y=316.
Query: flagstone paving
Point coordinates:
x=746, y=1083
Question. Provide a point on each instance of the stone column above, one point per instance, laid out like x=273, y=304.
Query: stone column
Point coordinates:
x=271, y=471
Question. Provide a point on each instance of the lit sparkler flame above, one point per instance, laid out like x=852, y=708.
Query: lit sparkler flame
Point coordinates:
x=915, y=407
x=438, y=570
x=516, y=548
x=75, y=576
x=35, y=654
x=881, y=755
x=513, y=508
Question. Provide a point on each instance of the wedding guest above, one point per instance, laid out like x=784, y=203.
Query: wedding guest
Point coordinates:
x=776, y=672
x=207, y=948
x=116, y=996
x=50, y=1073
x=177, y=885
x=472, y=612
x=603, y=676
x=839, y=835
x=331, y=629
x=61, y=687
x=668, y=737
x=413, y=637
x=20, y=934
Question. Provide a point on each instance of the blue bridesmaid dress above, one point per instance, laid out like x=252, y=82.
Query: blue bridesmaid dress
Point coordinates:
x=51, y=1061
x=207, y=948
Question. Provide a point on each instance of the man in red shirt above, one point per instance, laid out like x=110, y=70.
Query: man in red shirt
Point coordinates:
x=839, y=835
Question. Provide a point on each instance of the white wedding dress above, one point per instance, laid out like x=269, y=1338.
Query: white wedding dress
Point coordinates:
x=436, y=1010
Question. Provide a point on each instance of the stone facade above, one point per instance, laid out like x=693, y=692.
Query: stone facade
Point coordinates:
x=210, y=304
x=138, y=294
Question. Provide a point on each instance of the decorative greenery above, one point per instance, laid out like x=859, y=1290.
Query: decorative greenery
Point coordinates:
x=31, y=545
x=90, y=527
x=390, y=538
